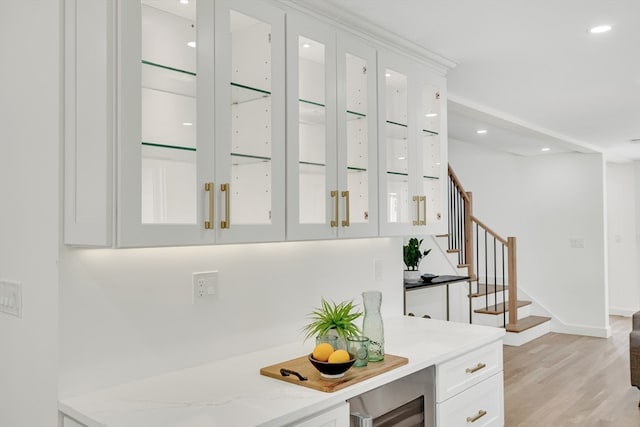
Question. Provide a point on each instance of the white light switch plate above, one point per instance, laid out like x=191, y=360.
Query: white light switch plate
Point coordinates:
x=11, y=298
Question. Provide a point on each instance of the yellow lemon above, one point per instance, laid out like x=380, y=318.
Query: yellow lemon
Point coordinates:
x=339, y=356
x=322, y=351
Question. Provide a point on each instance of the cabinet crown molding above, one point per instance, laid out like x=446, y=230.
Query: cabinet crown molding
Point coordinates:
x=343, y=20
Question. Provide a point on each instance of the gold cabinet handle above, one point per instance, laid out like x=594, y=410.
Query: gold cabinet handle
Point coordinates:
x=423, y=199
x=475, y=368
x=345, y=222
x=481, y=413
x=208, y=187
x=334, y=222
x=417, y=200
x=226, y=189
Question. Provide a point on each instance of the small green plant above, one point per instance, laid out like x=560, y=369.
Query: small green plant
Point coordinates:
x=329, y=316
x=412, y=253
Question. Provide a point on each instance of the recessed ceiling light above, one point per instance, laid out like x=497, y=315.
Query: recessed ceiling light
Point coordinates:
x=431, y=115
x=387, y=75
x=481, y=131
x=546, y=149
x=600, y=29
x=401, y=158
x=306, y=45
x=191, y=44
x=184, y=1
x=187, y=124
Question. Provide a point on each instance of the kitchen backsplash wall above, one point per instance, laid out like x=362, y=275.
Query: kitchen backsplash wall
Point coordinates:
x=128, y=313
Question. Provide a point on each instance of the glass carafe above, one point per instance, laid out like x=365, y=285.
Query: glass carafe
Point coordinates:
x=372, y=326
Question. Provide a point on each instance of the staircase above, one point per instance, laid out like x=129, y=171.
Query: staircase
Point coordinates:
x=490, y=262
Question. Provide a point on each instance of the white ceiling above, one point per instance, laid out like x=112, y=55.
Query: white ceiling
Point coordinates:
x=528, y=71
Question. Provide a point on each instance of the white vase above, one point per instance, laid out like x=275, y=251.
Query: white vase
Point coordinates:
x=411, y=275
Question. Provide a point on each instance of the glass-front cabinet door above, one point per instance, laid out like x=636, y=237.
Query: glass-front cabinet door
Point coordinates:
x=331, y=154
x=250, y=136
x=412, y=148
x=357, y=138
x=432, y=161
x=161, y=120
x=201, y=122
x=312, y=193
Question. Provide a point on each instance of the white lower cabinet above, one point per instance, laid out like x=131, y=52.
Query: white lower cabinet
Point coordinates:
x=470, y=389
x=480, y=406
x=338, y=416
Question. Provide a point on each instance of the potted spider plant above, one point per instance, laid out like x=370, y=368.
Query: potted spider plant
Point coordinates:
x=333, y=319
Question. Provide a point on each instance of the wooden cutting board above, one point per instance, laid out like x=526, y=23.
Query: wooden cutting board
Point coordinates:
x=318, y=382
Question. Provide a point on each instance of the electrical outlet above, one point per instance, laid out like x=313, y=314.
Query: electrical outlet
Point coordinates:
x=205, y=286
x=11, y=298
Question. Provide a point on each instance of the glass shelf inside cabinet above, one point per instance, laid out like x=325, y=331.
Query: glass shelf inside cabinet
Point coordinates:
x=312, y=113
x=244, y=159
x=168, y=107
x=241, y=94
x=397, y=149
x=431, y=155
x=354, y=115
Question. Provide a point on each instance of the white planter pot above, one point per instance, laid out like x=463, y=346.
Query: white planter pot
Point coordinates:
x=411, y=275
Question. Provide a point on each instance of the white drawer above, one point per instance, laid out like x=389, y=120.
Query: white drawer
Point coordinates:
x=456, y=375
x=480, y=406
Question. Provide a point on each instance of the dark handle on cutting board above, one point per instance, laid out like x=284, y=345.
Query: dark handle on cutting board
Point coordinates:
x=286, y=372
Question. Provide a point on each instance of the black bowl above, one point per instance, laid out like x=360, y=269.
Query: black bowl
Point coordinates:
x=332, y=370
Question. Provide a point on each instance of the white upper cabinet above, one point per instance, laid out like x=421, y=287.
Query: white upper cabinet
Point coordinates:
x=164, y=121
x=331, y=133
x=199, y=123
x=412, y=147
x=250, y=122
x=357, y=138
x=204, y=122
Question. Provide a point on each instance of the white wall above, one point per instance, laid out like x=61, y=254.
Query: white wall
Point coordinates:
x=482, y=172
x=127, y=313
x=564, y=200
x=622, y=198
x=29, y=200
x=545, y=201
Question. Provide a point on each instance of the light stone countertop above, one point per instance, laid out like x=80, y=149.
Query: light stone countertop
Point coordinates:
x=233, y=393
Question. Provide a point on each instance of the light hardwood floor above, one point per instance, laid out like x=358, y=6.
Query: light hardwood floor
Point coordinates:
x=567, y=380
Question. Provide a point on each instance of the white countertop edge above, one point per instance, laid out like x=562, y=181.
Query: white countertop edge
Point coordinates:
x=72, y=413
x=403, y=333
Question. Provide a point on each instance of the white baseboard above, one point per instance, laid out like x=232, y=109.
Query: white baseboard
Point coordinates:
x=590, y=331
x=626, y=312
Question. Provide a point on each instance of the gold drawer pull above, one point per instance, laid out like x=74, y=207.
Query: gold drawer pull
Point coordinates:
x=417, y=200
x=481, y=413
x=475, y=368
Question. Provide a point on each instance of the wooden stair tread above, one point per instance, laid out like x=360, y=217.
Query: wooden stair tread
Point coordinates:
x=463, y=265
x=526, y=323
x=487, y=289
x=500, y=308
x=442, y=235
x=453, y=251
